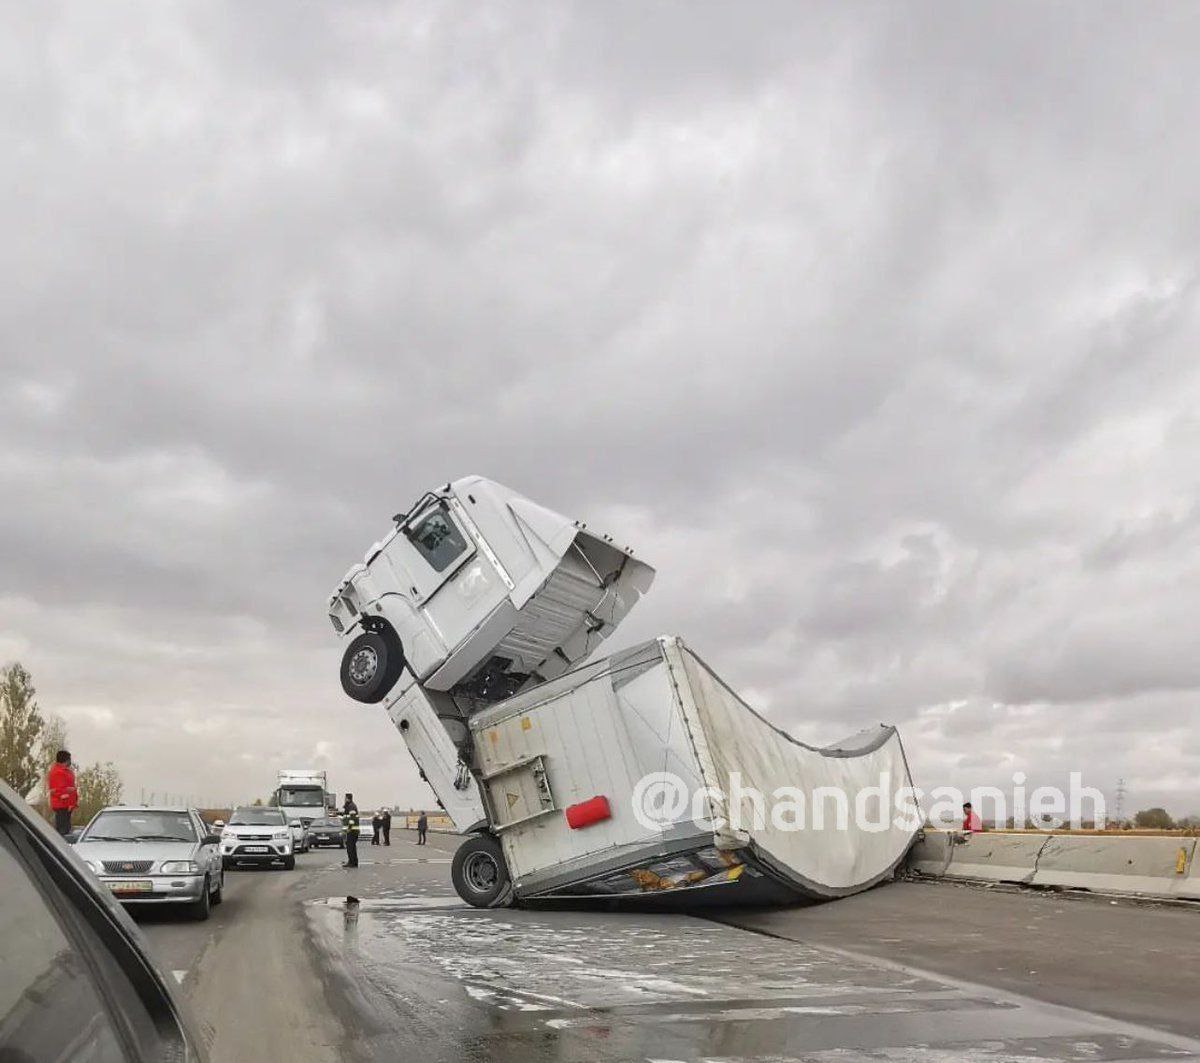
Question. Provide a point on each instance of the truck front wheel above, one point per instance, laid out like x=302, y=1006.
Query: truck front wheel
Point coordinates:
x=371, y=665
x=479, y=873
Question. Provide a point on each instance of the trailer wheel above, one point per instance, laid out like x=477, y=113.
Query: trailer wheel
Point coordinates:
x=371, y=665
x=479, y=873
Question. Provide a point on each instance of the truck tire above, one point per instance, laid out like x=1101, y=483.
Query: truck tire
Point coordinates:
x=371, y=665
x=479, y=873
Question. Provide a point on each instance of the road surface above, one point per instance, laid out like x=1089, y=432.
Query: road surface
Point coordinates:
x=287, y=968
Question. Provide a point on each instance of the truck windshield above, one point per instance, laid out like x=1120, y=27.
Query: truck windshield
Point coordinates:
x=438, y=540
x=301, y=797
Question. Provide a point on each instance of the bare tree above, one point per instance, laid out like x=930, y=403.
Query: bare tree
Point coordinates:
x=98, y=785
x=20, y=727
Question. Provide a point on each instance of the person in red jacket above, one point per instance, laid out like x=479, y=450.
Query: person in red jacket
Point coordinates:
x=971, y=823
x=60, y=786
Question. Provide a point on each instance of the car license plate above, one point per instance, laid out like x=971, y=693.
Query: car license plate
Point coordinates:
x=132, y=886
x=258, y=848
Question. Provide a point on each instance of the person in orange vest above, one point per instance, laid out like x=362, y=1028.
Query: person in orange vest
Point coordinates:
x=60, y=788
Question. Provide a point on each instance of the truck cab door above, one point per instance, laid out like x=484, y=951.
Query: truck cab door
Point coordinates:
x=441, y=544
x=457, y=587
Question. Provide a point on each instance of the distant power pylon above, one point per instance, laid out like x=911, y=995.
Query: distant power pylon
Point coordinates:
x=1121, y=791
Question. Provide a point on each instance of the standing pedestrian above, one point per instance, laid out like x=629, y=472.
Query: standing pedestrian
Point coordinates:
x=376, y=826
x=386, y=816
x=60, y=789
x=971, y=823
x=350, y=826
x=422, y=827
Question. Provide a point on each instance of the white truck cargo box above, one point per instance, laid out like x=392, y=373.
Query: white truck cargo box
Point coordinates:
x=591, y=738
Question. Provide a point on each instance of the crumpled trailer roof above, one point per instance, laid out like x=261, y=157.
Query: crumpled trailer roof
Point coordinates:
x=659, y=712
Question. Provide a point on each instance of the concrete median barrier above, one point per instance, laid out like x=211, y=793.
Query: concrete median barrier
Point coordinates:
x=931, y=855
x=996, y=857
x=1166, y=867
x=1152, y=867
x=1190, y=887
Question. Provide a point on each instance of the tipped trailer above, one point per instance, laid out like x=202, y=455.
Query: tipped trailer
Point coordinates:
x=474, y=621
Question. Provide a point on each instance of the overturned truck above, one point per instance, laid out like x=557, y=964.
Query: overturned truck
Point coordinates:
x=475, y=621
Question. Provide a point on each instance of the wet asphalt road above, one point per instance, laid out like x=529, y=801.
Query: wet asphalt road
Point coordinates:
x=287, y=969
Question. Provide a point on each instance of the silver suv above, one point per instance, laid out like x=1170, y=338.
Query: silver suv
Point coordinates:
x=257, y=835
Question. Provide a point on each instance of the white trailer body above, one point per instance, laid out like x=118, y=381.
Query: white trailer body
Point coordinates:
x=598, y=731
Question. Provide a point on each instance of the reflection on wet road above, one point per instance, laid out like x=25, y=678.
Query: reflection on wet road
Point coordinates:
x=419, y=973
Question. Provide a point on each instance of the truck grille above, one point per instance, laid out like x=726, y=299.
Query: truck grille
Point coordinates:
x=127, y=867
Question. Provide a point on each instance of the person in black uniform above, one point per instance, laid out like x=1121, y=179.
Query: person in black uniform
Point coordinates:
x=376, y=826
x=350, y=826
x=386, y=823
x=422, y=827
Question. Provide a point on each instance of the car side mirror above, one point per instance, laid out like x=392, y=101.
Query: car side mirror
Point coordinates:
x=211, y=839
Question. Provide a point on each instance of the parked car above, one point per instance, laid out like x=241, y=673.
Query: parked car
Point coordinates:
x=300, y=838
x=77, y=979
x=326, y=832
x=154, y=856
x=257, y=835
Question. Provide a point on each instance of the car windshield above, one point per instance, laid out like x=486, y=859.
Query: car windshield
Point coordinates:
x=301, y=797
x=327, y=823
x=257, y=817
x=141, y=825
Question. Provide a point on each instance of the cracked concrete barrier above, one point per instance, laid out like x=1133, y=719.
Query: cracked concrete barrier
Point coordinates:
x=1151, y=867
x=995, y=857
x=931, y=855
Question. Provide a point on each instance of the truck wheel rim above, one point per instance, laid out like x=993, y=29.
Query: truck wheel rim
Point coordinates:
x=363, y=666
x=481, y=872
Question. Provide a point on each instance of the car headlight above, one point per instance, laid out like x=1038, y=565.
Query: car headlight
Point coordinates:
x=179, y=867
x=281, y=834
x=95, y=865
x=227, y=835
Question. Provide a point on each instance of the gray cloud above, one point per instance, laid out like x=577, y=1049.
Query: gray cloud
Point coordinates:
x=873, y=327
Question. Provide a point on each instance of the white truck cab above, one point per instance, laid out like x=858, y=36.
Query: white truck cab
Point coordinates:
x=478, y=592
x=475, y=594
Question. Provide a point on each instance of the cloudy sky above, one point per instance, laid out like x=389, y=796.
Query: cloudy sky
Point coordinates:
x=874, y=327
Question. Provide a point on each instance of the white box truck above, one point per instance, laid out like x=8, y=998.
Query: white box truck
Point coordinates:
x=302, y=794
x=474, y=621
